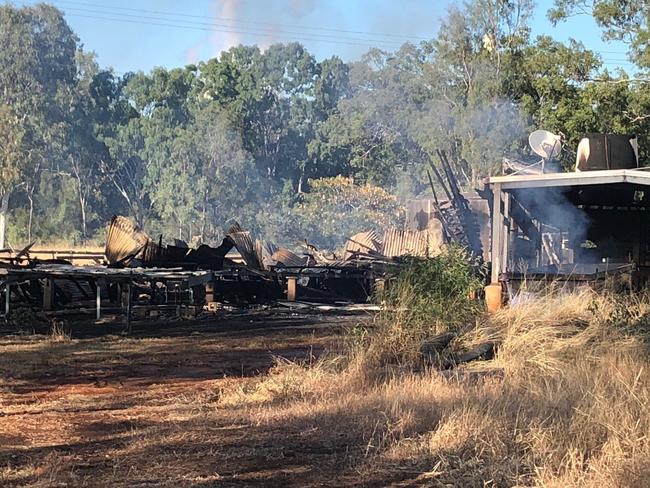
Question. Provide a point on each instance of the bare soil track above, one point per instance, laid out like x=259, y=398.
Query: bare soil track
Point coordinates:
x=111, y=410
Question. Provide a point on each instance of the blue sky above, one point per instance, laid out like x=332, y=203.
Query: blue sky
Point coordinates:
x=132, y=35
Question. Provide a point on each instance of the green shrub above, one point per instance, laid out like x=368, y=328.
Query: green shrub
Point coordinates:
x=440, y=289
x=428, y=297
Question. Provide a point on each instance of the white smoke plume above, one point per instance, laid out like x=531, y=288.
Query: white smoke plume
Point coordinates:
x=226, y=11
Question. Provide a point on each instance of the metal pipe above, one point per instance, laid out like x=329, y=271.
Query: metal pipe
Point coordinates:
x=128, y=308
x=98, y=302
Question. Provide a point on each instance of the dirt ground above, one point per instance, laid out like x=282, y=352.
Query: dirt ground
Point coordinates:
x=100, y=409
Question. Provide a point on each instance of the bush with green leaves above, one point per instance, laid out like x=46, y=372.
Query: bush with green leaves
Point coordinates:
x=428, y=297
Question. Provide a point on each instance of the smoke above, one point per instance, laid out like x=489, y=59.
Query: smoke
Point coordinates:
x=301, y=8
x=193, y=54
x=557, y=216
x=230, y=10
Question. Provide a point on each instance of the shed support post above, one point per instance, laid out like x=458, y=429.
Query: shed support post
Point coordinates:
x=506, y=232
x=48, y=294
x=496, y=248
x=292, y=288
x=128, y=308
x=7, y=298
x=98, y=300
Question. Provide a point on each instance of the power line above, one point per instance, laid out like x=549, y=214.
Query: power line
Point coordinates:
x=206, y=29
x=272, y=25
x=235, y=29
x=215, y=27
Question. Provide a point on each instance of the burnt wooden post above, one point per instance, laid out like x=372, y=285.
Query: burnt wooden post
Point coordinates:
x=128, y=308
x=292, y=288
x=98, y=300
x=48, y=294
x=210, y=297
x=7, y=297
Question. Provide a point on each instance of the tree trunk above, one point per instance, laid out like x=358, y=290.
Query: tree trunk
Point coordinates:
x=82, y=204
x=203, y=219
x=302, y=175
x=4, y=208
x=31, y=218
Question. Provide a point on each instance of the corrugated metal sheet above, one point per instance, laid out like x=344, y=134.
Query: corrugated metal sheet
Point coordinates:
x=406, y=243
x=287, y=258
x=124, y=240
x=153, y=253
x=264, y=251
x=364, y=242
x=244, y=244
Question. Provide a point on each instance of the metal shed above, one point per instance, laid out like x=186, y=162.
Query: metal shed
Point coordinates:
x=569, y=225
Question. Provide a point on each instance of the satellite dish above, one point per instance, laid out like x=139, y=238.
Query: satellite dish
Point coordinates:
x=545, y=144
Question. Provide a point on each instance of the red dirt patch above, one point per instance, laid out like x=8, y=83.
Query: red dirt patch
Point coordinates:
x=142, y=410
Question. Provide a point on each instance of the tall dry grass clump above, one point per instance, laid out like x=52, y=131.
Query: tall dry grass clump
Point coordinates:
x=565, y=402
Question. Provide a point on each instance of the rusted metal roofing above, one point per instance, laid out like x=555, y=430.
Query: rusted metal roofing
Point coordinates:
x=264, y=251
x=124, y=240
x=287, y=258
x=367, y=242
x=244, y=244
x=406, y=242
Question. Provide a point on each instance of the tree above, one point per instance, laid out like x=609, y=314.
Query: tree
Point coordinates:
x=140, y=147
x=276, y=100
x=37, y=61
x=131, y=167
x=12, y=141
x=337, y=208
x=627, y=21
x=622, y=20
x=224, y=167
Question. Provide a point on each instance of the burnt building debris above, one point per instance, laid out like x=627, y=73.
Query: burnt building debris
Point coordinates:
x=457, y=220
x=142, y=273
x=531, y=224
x=580, y=226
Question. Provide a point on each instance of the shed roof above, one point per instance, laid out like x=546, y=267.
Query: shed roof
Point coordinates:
x=640, y=176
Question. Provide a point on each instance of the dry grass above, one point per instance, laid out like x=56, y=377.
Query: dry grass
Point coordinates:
x=90, y=246
x=566, y=402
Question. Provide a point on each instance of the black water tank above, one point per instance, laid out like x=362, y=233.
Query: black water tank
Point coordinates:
x=607, y=151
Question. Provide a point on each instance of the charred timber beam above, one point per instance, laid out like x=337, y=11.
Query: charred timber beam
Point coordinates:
x=441, y=180
x=525, y=222
x=483, y=351
x=451, y=178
